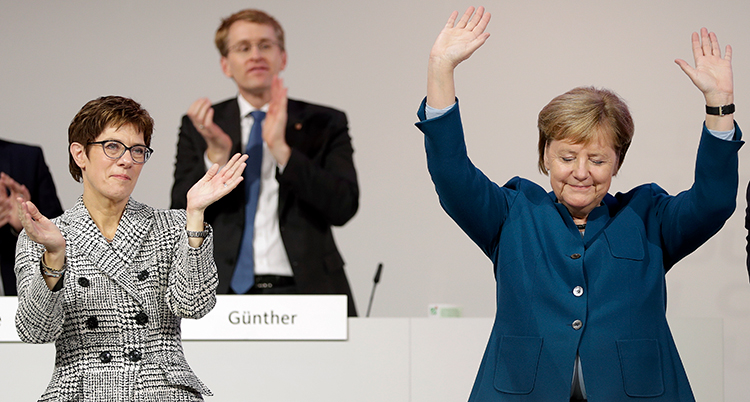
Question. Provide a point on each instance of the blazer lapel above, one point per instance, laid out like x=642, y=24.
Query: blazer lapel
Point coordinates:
x=112, y=259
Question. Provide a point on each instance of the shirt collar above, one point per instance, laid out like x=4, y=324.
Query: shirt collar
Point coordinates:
x=246, y=107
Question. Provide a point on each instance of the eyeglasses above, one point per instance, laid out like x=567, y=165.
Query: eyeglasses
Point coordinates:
x=115, y=150
x=244, y=48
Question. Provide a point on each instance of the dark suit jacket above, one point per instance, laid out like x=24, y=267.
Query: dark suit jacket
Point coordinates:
x=317, y=190
x=25, y=164
x=602, y=295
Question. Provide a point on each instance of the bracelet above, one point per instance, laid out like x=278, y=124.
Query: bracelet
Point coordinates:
x=720, y=110
x=52, y=273
x=200, y=235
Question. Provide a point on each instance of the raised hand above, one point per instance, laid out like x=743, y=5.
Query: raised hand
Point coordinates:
x=215, y=184
x=712, y=73
x=274, y=125
x=455, y=43
x=201, y=114
x=39, y=228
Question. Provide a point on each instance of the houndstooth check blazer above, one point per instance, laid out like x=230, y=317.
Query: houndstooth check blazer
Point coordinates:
x=116, y=320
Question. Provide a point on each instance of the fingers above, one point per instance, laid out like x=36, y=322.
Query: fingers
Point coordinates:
x=199, y=113
x=686, y=67
x=728, y=53
x=25, y=213
x=233, y=175
x=451, y=20
x=707, y=44
x=28, y=208
x=476, y=20
x=278, y=96
x=230, y=175
x=714, y=41
x=465, y=18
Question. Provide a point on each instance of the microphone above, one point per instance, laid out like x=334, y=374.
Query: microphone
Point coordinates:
x=375, y=283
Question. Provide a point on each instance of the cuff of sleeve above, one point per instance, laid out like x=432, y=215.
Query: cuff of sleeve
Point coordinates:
x=724, y=135
x=431, y=112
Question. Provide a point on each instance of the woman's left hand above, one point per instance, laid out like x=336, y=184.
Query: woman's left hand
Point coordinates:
x=712, y=73
x=215, y=184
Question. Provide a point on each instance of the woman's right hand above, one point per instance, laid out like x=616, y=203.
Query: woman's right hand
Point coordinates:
x=453, y=45
x=39, y=228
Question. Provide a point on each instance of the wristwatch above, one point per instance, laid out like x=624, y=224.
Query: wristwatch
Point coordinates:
x=720, y=110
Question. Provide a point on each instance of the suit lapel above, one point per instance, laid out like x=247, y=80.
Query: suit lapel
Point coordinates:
x=227, y=116
x=295, y=129
x=112, y=259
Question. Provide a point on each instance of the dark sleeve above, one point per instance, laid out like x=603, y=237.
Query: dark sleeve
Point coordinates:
x=470, y=198
x=189, y=165
x=693, y=216
x=326, y=179
x=747, y=226
x=42, y=190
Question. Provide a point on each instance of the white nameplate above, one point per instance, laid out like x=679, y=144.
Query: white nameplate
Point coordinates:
x=8, y=306
x=272, y=317
x=252, y=317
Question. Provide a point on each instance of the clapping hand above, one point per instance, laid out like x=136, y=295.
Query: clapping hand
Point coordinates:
x=218, y=143
x=39, y=228
x=274, y=125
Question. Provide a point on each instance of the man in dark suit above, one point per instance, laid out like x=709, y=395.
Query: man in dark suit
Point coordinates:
x=273, y=234
x=24, y=174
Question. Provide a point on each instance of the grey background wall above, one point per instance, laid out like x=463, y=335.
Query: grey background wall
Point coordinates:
x=369, y=59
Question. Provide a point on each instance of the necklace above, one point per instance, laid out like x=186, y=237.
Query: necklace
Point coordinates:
x=581, y=226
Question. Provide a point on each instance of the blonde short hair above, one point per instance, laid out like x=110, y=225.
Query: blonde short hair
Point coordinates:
x=249, y=15
x=581, y=115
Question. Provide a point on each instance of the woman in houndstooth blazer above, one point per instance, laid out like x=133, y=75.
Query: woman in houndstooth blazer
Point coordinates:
x=110, y=279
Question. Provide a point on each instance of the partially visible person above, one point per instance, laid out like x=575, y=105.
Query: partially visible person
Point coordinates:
x=23, y=173
x=274, y=233
x=581, y=274
x=111, y=278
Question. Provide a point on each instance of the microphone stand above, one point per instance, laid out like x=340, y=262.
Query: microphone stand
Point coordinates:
x=375, y=283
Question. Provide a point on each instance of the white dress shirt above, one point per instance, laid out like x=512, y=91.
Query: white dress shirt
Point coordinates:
x=269, y=254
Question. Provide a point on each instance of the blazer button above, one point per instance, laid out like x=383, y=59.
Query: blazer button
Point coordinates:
x=575, y=256
x=143, y=275
x=105, y=357
x=577, y=324
x=577, y=291
x=92, y=322
x=83, y=282
x=134, y=355
x=141, y=318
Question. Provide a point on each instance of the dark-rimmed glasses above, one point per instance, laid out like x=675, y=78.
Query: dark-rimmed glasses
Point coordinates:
x=114, y=149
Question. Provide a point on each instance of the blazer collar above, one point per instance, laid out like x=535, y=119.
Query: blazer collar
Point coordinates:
x=113, y=259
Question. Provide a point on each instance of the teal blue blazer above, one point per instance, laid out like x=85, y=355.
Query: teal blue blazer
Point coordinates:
x=602, y=295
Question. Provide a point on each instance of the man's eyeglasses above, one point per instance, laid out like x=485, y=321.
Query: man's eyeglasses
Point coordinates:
x=115, y=150
x=244, y=48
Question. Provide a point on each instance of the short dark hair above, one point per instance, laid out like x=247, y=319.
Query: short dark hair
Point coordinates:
x=580, y=115
x=102, y=113
x=249, y=15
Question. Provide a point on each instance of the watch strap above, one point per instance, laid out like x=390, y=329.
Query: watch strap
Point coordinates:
x=720, y=110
